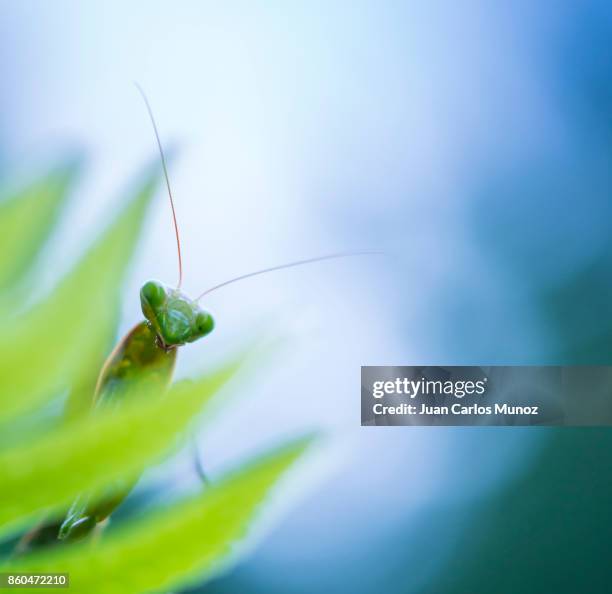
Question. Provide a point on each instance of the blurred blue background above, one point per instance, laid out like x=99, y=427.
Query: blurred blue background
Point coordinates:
x=472, y=143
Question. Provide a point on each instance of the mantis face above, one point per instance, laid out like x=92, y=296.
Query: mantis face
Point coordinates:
x=175, y=318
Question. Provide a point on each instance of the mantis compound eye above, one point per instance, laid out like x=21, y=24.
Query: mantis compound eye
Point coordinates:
x=204, y=324
x=153, y=293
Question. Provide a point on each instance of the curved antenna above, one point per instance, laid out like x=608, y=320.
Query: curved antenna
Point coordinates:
x=165, y=168
x=289, y=265
x=197, y=463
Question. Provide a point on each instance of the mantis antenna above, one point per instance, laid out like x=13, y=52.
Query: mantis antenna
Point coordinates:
x=165, y=168
x=289, y=265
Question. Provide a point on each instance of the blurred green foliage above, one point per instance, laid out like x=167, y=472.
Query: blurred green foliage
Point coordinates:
x=56, y=347
x=33, y=209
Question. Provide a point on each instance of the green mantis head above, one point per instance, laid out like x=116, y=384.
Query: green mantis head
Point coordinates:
x=175, y=318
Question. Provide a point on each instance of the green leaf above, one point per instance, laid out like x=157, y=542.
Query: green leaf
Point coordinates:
x=58, y=342
x=174, y=547
x=27, y=218
x=91, y=453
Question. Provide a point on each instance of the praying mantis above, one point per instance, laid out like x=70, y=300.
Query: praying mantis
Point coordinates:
x=144, y=359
